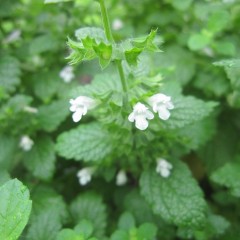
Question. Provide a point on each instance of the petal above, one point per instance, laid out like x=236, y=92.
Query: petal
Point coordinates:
x=131, y=117
x=77, y=116
x=149, y=115
x=169, y=105
x=73, y=108
x=165, y=173
x=163, y=113
x=141, y=123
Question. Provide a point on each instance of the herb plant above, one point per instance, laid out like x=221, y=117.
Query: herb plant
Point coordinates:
x=119, y=135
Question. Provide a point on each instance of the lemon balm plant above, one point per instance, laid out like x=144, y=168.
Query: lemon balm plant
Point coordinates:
x=115, y=158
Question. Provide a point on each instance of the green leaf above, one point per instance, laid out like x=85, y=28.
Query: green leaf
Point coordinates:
x=52, y=115
x=198, y=41
x=45, y=84
x=88, y=142
x=42, y=44
x=45, y=226
x=177, y=199
x=126, y=221
x=85, y=228
x=4, y=177
x=188, y=110
x=228, y=176
x=9, y=73
x=147, y=43
x=181, y=5
x=40, y=161
x=15, y=208
x=119, y=235
x=218, y=21
x=147, y=231
x=91, y=33
x=69, y=234
x=132, y=56
x=90, y=207
x=8, y=147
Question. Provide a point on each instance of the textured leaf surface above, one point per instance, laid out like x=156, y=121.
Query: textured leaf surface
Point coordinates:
x=177, y=199
x=87, y=142
x=15, y=207
x=51, y=116
x=9, y=73
x=188, y=110
x=41, y=159
x=90, y=207
x=228, y=176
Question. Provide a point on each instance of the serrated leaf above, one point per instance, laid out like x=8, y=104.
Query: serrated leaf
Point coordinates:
x=45, y=226
x=90, y=207
x=85, y=228
x=147, y=43
x=15, y=208
x=228, y=176
x=92, y=33
x=40, y=161
x=177, y=199
x=52, y=115
x=188, y=110
x=88, y=142
x=9, y=73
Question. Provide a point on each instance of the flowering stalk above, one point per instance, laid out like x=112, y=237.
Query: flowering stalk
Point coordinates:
x=109, y=36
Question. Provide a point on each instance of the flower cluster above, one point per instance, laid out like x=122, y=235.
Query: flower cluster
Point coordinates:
x=164, y=167
x=85, y=175
x=160, y=104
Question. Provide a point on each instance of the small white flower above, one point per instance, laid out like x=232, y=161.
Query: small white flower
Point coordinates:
x=121, y=178
x=117, y=24
x=140, y=115
x=163, y=167
x=67, y=74
x=26, y=143
x=30, y=109
x=80, y=106
x=13, y=36
x=161, y=104
x=85, y=175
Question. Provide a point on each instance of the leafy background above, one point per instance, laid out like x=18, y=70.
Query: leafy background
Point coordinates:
x=200, y=64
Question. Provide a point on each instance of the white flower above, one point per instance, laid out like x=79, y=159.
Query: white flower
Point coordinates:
x=67, y=74
x=80, y=106
x=121, y=178
x=140, y=115
x=163, y=167
x=13, y=36
x=85, y=175
x=117, y=24
x=26, y=143
x=30, y=109
x=161, y=104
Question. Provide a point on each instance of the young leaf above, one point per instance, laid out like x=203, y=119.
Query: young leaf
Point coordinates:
x=90, y=207
x=177, y=199
x=56, y=1
x=88, y=142
x=41, y=159
x=126, y=221
x=15, y=208
x=228, y=176
x=69, y=234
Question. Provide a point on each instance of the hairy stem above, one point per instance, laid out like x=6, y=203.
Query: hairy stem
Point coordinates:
x=109, y=36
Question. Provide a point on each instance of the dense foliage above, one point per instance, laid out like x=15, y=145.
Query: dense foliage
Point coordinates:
x=119, y=120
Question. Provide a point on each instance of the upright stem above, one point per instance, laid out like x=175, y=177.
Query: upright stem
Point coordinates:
x=109, y=36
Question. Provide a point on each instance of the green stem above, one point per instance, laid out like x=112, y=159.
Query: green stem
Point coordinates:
x=109, y=36
x=122, y=76
x=105, y=20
